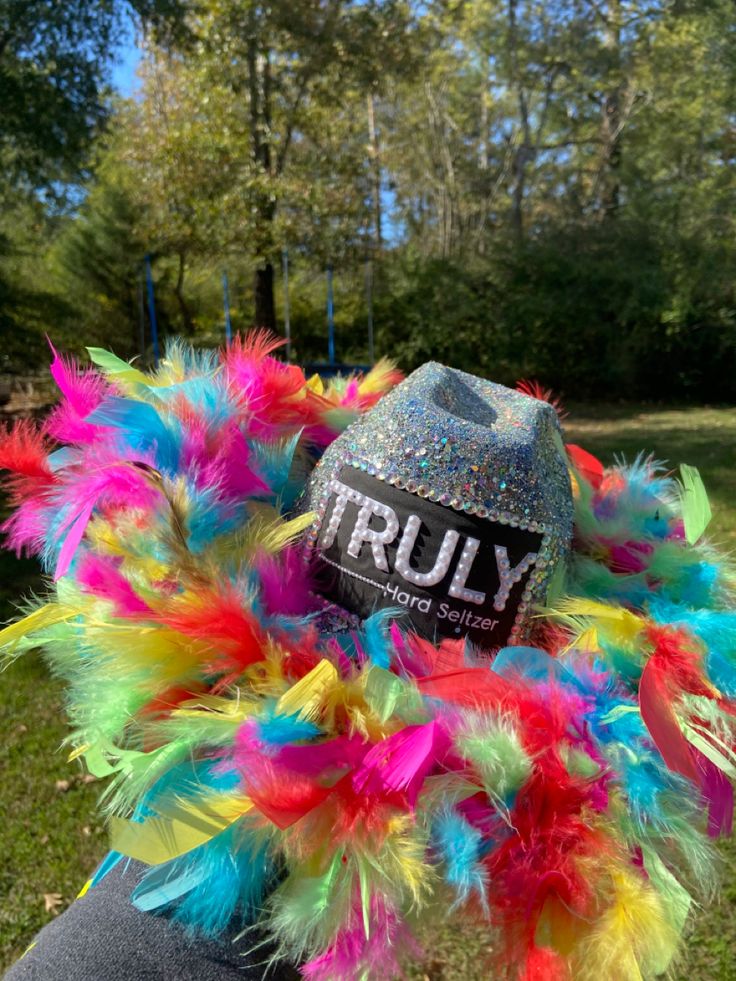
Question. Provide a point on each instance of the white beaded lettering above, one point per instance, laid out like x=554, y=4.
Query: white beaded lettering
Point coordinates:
x=508, y=576
x=377, y=539
x=457, y=587
x=442, y=562
x=344, y=494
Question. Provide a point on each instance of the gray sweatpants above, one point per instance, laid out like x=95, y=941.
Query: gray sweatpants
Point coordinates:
x=103, y=937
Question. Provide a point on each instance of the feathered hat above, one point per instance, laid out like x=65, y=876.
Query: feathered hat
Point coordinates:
x=548, y=753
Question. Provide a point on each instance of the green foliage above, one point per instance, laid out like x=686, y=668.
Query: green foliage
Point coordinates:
x=28, y=305
x=544, y=188
x=54, y=67
x=589, y=310
x=96, y=259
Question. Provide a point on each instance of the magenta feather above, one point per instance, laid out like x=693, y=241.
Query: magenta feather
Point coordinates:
x=220, y=459
x=107, y=484
x=82, y=392
x=284, y=583
x=344, y=752
x=401, y=762
x=100, y=575
x=376, y=952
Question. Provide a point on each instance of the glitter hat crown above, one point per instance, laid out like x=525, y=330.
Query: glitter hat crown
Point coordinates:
x=452, y=499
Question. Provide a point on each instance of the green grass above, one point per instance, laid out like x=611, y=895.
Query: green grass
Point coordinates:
x=50, y=838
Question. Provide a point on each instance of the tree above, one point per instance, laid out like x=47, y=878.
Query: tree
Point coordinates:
x=96, y=261
x=54, y=66
x=281, y=81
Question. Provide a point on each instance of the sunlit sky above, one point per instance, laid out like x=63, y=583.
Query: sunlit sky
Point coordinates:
x=123, y=73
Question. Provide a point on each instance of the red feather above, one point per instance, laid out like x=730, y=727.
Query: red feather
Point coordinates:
x=271, y=392
x=23, y=451
x=467, y=686
x=588, y=466
x=545, y=964
x=536, y=390
x=219, y=619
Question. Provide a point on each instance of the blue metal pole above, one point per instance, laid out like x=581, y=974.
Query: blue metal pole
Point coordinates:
x=330, y=317
x=226, y=304
x=152, y=311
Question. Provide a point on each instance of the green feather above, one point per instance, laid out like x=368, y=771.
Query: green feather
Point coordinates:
x=696, y=513
x=496, y=752
x=113, y=365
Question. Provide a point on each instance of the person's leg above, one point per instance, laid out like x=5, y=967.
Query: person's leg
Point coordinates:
x=103, y=937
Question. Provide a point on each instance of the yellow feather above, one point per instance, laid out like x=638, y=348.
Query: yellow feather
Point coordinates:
x=268, y=532
x=613, y=623
x=632, y=938
x=378, y=378
x=185, y=825
x=46, y=616
x=307, y=695
x=233, y=710
x=166, y=654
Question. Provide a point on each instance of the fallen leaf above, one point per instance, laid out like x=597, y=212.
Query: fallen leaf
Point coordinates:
x=88, y=778
x=62, y=786
x=44, y=840
x=52, y=901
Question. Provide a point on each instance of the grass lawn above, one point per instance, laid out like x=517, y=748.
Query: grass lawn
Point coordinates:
x=50, y=838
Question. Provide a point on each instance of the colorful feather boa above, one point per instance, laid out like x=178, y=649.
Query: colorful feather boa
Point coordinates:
x=343, y=790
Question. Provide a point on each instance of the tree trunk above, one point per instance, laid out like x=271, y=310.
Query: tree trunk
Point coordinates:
x=263, y=290
x=611, y=118
x=259, y=92
x=186, y=313
x=376, y=173
x=524, y=151
x=517, y=196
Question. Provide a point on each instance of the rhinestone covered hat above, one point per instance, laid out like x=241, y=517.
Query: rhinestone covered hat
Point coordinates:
x=450, y=499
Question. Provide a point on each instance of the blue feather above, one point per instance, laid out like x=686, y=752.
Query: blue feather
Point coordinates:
x=458, y=844
x=205, y=889
x=283, y=729
x=208, y=516
x=375, y=636
x=106, y=865
x=142, y=428
x=527, y=662
x=273, y=461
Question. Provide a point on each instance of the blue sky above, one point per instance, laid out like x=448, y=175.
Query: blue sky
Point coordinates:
x=123, y=73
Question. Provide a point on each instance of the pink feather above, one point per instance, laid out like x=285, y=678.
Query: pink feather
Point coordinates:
x=312, y=760
x=401, y=762
x=353, y=954
x=718, y=791
x=108, y=484
x=73, y=538
x=100, y=575
x=82, y=392
x=285, y=586
x=219, y=458
x=27, y=526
